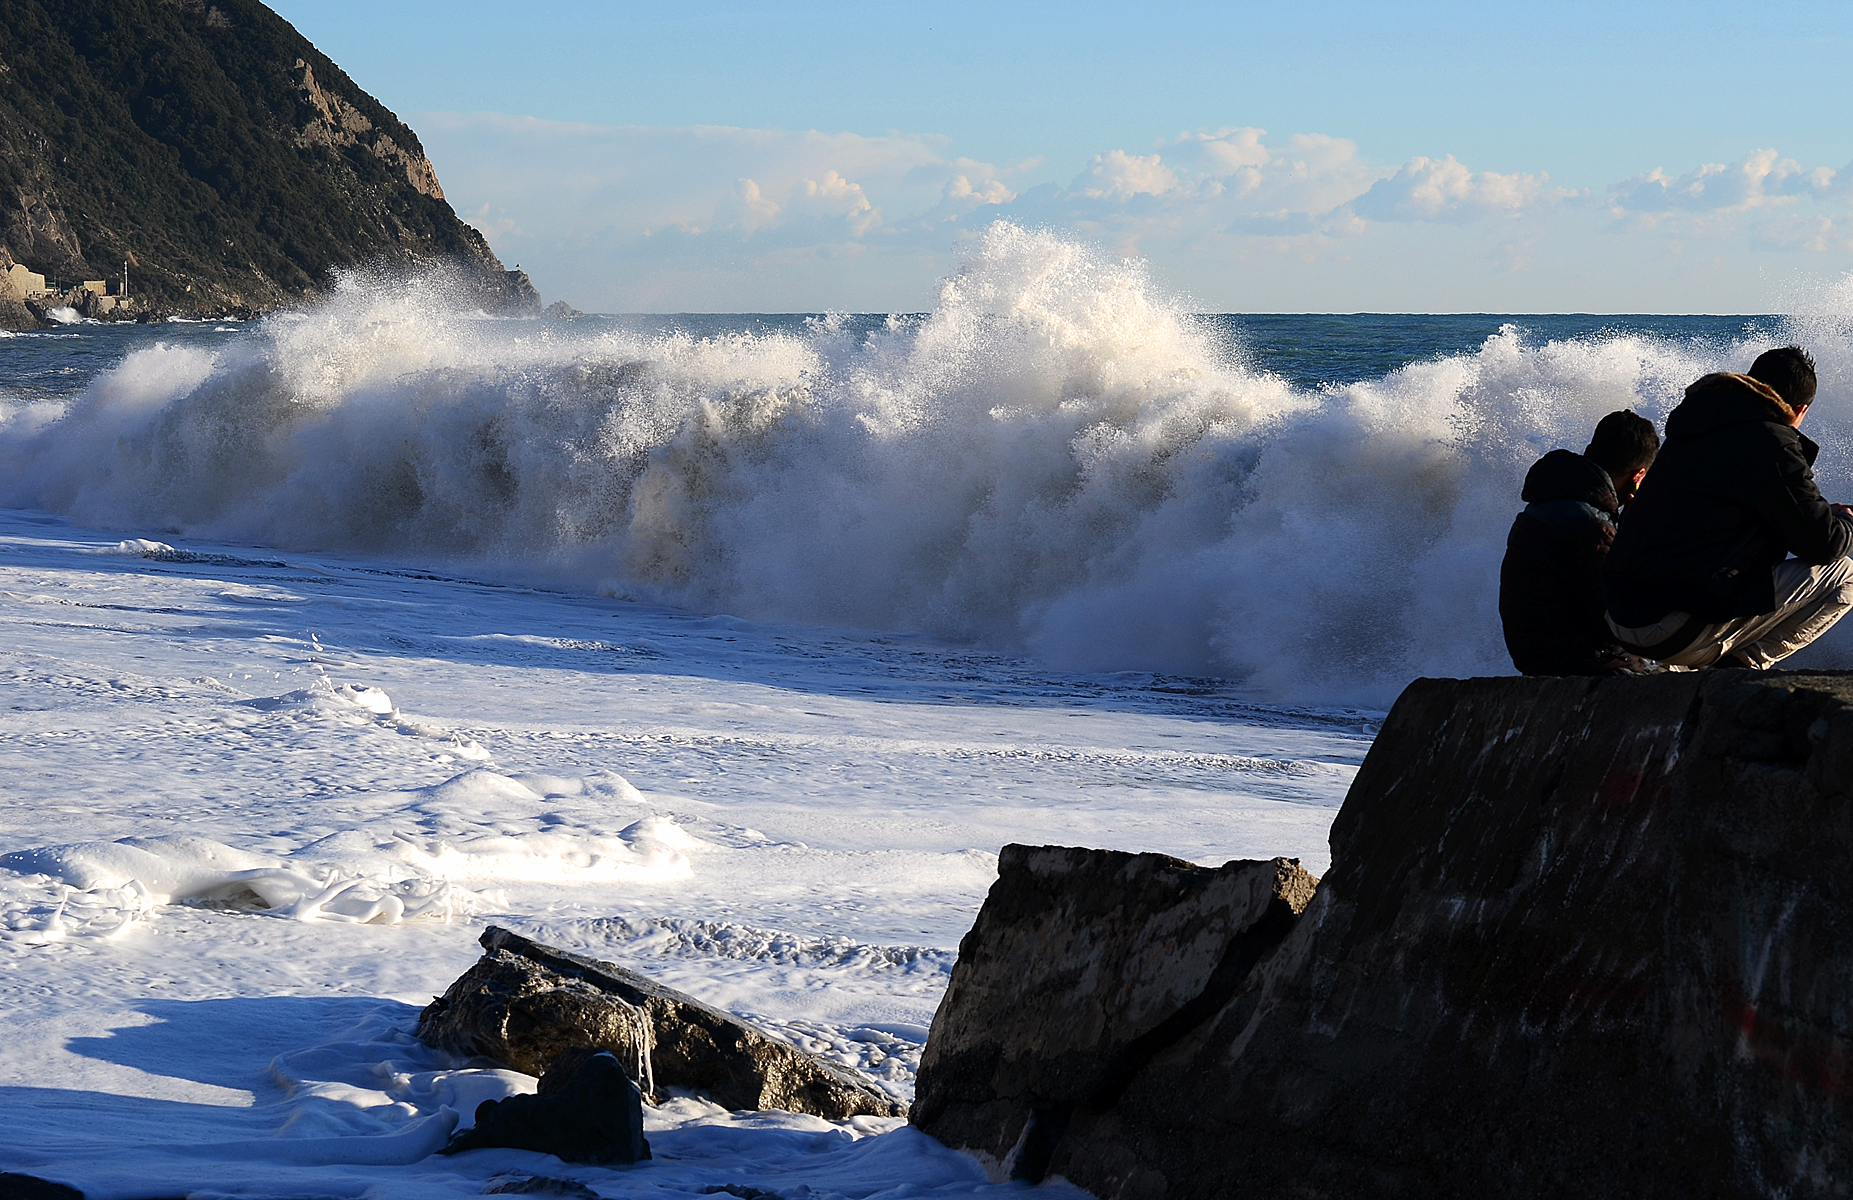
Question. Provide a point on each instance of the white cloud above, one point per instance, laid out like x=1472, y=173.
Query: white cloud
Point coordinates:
x=1308, y=190
x=1813, y=233
x=1118, y=175
x=637, y=218
x=961, y=197
x=1761, y=179
x=1227, y=150
x=644, y=180
x=1430, y=189
x=835, y=197
x=746, y=208
x=1308, y=173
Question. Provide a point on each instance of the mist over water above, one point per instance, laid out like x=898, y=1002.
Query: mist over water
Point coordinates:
x=1057, y=459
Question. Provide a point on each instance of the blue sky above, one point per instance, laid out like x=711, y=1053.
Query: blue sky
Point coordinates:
x=1293, y=157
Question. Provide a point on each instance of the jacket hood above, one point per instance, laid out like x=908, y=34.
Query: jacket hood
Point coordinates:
x=1726, y=398
x=1564, y=475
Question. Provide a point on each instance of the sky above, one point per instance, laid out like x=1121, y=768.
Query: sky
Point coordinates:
x=1320, y=156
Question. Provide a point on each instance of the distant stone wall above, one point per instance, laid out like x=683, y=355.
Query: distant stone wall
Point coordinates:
x=18, y=282
x=1579, y=938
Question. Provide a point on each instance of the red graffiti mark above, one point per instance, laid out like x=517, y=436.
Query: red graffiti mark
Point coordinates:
x=1809, y=1057
x=1625, y=786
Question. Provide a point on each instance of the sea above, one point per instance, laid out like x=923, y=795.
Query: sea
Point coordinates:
x=727, y=647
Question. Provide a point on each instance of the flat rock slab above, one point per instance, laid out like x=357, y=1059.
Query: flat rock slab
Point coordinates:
x=1579, y=938
x=1082, y=965
x=524, y=1004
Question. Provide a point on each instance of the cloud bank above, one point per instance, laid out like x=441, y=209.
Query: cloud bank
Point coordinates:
x=638, y=218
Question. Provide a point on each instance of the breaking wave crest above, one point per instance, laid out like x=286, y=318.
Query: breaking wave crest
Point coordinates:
x=1055, y=459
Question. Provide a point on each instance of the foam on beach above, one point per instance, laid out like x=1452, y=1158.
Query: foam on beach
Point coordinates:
x=437, y=853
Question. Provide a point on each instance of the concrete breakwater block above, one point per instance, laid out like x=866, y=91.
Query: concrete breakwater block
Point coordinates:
x=1082, y=964
x=1579, y=937
x=524, y=1004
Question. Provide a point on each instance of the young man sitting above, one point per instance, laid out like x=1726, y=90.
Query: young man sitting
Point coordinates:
x=1700, y=574
x=1550, y=584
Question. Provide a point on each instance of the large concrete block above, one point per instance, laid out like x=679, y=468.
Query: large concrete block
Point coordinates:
x=1579, y=938
x=1082, y=964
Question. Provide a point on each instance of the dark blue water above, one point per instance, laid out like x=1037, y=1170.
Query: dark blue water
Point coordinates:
x=1314, y=349
x=1310, y=350
x=56, y=363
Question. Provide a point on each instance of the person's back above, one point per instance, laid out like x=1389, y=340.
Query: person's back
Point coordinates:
x=1550, y=583
x=1700, y=570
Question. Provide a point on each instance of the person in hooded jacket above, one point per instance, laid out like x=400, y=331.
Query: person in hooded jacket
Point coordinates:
x=1550, y=584
x=1729, y=556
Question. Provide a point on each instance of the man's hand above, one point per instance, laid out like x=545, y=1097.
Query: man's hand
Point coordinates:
x=1844, y=511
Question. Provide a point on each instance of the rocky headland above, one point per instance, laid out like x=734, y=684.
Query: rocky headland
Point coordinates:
x=1579, y=938
x=212, y=154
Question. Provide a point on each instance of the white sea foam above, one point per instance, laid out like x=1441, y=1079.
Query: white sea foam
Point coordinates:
x=101, y=889
x=435, y=853
x=814, y=826
x=677, y=937
x=1055, y=459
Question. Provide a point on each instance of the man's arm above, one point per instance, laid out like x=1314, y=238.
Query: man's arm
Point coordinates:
x=1809, y=528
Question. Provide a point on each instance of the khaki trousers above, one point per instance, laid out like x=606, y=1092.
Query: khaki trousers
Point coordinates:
x=1808, y=602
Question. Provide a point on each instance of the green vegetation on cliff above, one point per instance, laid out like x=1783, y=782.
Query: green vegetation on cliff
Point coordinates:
x=215, y=150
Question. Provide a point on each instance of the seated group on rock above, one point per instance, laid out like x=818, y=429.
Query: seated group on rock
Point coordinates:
x=1715, y=549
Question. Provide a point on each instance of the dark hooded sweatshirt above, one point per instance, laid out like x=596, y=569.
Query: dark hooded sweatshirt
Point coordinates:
x=1550, y=584
x=1731, y=495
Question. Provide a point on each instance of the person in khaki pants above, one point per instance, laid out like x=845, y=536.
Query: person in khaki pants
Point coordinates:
x=1729, y=556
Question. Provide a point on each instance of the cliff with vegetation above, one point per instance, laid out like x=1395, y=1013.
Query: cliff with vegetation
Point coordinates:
x=209, y=146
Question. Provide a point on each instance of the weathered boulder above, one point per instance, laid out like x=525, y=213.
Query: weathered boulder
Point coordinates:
x=15, y=315
x=1082, y=964
x=524, y=1004
x=1579, y=937
x=587, y=1109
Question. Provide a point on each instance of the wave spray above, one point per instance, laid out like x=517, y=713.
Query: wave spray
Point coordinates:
x=1055, y=460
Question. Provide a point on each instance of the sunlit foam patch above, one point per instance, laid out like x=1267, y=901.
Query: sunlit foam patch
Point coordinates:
x=326, y=693
x=101, y=889
x=365, y=703
x=685, y=937
x=652, y=850
x=484, y=827
x=886, y=1052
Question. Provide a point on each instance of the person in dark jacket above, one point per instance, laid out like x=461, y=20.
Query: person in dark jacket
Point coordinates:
x=1701, y=572
x=1550, y=584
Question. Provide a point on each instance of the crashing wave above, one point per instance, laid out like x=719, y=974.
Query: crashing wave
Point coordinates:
x=1055, y=459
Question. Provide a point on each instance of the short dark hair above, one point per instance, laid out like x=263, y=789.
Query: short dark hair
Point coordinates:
x=1624, y=443
x=1788, y=369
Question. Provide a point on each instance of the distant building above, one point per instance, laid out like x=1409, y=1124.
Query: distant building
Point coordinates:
x=19, y=282
x=95, y=287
